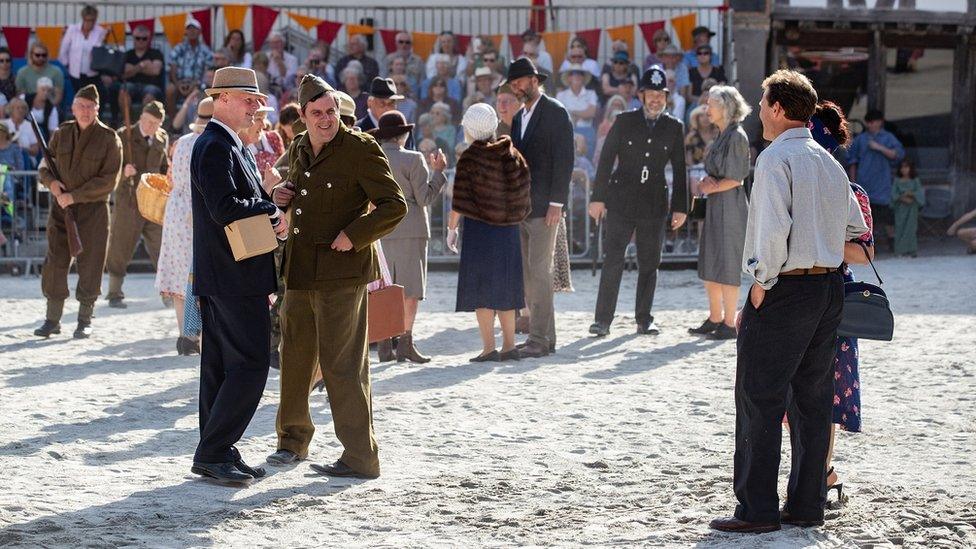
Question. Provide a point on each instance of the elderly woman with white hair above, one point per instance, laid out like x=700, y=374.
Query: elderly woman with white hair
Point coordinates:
x=724, y=231
x=491, y=193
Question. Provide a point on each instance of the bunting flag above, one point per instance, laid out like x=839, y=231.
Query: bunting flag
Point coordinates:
x=625, y=33
x=648, y=30
x=556, y=44
x=461, y=43
x=515, y=43
x=204, y=16
x=148, y=23
x=114, y=33
x=50, y=37
x=174, y=26
x=537, y=17
x=496, y=39
x=352, y=30
x=234, y=15
x=327, y=31
x=17, y=40
x=262, y=19
x=389, y=39
x=592, y=39
x=423, y=43
x=683, y=25
x=304, y=21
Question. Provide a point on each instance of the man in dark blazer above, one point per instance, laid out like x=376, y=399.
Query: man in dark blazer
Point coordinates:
x=382, y=99
x=634, y=197
x=236, y=349
x=543, y=132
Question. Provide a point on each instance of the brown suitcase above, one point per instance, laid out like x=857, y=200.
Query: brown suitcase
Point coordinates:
x=384, y=313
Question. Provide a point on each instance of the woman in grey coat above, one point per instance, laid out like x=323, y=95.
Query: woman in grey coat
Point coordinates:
x=724, y=232
x=406, y=247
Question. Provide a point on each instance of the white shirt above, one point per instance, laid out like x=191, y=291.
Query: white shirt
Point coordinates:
x=291, y=67
x=237, y=138
x=577, y=103
x=25, y=134
x=76, y=50
x=52, y=121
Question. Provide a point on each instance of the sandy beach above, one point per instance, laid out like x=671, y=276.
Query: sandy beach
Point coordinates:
x=625, y=440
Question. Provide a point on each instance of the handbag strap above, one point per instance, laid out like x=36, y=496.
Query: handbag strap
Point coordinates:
x=867, y=255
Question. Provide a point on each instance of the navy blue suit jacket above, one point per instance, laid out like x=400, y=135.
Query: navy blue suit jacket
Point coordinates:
x=549, y=151
x=226, y=188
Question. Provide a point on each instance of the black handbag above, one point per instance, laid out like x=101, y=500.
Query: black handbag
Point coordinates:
x=108, y=60
x=698, y=205
x=867, y=313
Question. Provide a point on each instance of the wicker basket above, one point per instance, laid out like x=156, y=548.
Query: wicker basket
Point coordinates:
x=151, y=194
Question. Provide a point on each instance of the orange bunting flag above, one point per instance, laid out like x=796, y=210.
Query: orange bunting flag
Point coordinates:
x=174, y=26
x=234, y=15
x=115, y=33
x=51, y=37
x=556, y=44
x=306, y=22
x=352, y=30
x=625, y=33
x=683, y=25
x=423, y=43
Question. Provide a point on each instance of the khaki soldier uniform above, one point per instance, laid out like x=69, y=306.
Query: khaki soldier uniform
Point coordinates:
x=323, y=318
x=148, y=156
x=90, y=163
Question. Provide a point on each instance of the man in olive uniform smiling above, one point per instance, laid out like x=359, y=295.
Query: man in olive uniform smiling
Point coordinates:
x=336, y=173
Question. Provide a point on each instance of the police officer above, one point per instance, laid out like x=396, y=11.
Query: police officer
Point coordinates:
x=144, y=146
x=634, y=196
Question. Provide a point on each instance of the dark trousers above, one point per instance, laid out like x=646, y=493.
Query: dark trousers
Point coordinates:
x=650, y=239
x=234, y=358
x=785, y=362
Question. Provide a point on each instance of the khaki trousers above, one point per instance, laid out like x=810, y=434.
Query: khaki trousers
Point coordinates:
x=127, y=226
x=327, y=328
x=92, y=219
x=538, y=245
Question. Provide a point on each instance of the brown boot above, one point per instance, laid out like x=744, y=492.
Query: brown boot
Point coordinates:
x=385, y=350
x=406, y=351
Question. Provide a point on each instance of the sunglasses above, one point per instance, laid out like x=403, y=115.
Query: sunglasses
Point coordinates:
x=4, y=59
x=404, y=41
x=490, y=59
x=620, y=62
x=663, y=39
x=704, y=52
x=40, y=55
x=140, y=38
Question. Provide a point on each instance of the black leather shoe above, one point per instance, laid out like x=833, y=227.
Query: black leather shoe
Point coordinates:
x=707, y=327
x=647, y=328
x=533, y=350
x=256, y=472
x=117, y=303
x=722, y=332
x=48, y=328
x=221, y=473
x=340, y=469
x=786, y=518
x=600, y=329
x=514, y=354
x=485, y=357
x=83, y=331
x=732, y=524
x=283, y=457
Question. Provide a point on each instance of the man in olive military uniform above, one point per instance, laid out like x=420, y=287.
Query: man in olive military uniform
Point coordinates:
x=88, y=155
x=147, y=143
x=330, y=257
x=634, y=197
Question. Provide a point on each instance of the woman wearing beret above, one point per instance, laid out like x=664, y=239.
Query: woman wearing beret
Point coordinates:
x=491, y=193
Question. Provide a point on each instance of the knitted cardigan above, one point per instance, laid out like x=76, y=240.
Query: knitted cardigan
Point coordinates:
x=491, y=183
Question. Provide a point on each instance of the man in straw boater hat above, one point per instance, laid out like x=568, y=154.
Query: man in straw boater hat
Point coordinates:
x=88, y=157
x=330, y=258
x=630, y=192
x=144, y=148
x=236, y=349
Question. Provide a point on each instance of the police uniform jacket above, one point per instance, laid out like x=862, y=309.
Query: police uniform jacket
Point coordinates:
x=89, y=161
x=332, y=193
x=637, y=187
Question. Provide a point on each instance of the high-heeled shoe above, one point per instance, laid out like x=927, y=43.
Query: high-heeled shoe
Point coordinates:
x=839, y=486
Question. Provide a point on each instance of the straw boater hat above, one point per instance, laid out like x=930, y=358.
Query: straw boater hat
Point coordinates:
x=576, y=67
x=204, y=114
x=228, y=79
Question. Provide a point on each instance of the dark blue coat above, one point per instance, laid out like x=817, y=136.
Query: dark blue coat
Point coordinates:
x=226, y=188
x=549, y=151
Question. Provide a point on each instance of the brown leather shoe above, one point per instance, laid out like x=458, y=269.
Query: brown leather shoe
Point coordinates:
x=531, y=349
x=406, y=351
x=732, y=524
x=385, y=350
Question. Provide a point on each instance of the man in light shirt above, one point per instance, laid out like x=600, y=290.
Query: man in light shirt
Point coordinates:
x=801, y=213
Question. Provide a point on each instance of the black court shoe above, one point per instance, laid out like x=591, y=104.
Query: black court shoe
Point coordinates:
x=706, y=328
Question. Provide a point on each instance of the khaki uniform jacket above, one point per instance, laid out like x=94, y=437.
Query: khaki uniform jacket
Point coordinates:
x=146, y=157
x=90, y=161
x=332, y=194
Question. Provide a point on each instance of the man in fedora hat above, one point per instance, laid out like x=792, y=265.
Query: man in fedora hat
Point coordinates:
x=236, y=349
x=382, y=99
x=630, y=192
x=330, y=258
x=147, y=143
x=543, y=132
x=88, y=155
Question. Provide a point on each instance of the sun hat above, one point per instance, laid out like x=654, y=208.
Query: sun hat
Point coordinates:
x=564, y=76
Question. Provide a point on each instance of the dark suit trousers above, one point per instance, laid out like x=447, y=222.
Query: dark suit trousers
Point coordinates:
x=234, y=359
x=650, y=239
x=785, y=361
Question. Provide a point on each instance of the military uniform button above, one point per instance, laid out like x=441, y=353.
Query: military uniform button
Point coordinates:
x=630, y=142
x=308, y=174
x=295, y=230
x=647, y=154
x=298, y=211
x=328, y=185
x=648, y=140
x=304, y=192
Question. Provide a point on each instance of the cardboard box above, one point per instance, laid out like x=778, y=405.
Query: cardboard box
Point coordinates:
x=251, y=236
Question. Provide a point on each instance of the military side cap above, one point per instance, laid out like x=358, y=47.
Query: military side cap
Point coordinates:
x=311, y=87
x=89, y=92
x=654, y=79
x=156, y=109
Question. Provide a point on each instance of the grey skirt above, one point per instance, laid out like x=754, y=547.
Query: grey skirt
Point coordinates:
x=723, y=237
x=407, y=261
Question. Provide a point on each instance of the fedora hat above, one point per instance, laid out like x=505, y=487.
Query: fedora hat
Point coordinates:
x=391, y=124
x=523, y=66
x=237, y=79
x=564, y=76
x=384, y=88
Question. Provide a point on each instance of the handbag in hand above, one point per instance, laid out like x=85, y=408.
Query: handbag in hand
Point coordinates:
x=698, y=205
x=384, y=306
x=867, y=314
x=108, y=60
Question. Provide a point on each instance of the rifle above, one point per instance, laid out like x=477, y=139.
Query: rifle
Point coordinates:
x=74, y=239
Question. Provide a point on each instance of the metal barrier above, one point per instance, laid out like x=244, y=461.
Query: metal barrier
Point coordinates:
x=25, y=226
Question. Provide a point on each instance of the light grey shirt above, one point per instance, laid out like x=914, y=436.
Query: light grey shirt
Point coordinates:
x=801, y=211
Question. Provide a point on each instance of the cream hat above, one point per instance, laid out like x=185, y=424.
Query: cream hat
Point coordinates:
x=204, y=114
x=234, y=79
x=480, y=122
